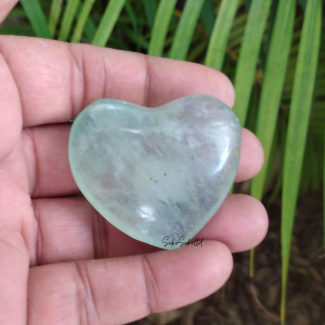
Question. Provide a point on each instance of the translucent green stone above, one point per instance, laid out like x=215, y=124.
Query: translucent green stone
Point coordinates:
x=156, y=172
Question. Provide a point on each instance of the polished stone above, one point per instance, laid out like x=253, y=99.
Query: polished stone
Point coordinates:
x=156, y=172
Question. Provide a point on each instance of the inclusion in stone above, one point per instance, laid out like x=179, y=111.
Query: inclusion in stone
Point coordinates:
x=156, y=172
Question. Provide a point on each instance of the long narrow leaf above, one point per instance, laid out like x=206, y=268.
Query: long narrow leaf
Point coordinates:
x=56, y=8
x=131, y=14
x=247, y=4
x=239, y=21
x=21, y=30
x=282, y=125
x=272, y=161
x=136, y=38
x=302, y=96
x=253, y=109
x=150, y=7
x=90, y=29
x=220, y=34
x=115, y=42
x=16, y=13
x=197, y=51
x=185, y=29
x=84, y=14
x=207, y=15
x=160, y=29
x=273, y=80
x=303, y=4
x=68, y=17
x=108, y=22
x=36, y=17
x=136, y=34
x=248, y=56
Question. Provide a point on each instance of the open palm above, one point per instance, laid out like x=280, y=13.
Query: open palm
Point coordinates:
x=60, y=261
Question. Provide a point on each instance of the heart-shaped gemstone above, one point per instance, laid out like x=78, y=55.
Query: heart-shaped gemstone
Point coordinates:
x=156, y=172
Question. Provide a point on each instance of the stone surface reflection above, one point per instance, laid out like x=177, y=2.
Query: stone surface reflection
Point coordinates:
x=156, y=172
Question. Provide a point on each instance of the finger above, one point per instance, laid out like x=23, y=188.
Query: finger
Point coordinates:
x=46, y=151
x=15, y=211
x=251, y=156
x=10, y=110
x=13, y=279
x=5, y=8
x=61, y=79
x=241, y=223
x=120, y=290
x=70, y=229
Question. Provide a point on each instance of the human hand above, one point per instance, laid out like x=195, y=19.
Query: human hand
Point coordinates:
x=60, y=261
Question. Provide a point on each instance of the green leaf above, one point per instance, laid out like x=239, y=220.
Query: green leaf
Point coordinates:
x=301, y=102
x=160, y=29
x=207, y=15
x=90, y=29
x=236, y=34
x=220, y=34
x=116, y=43
x=239, y=21
x=82, y=18
x=251, y=262
x=36, y=17
x=131, y=15
x=247, y=4
x=68, y=18
x=271, y=165
x=282, y=129
x=185, y=29
x=136, y=34
x=303, y=4
x=253, y=109
x=21, y=30
x=56, y=8
x=16, y=13
x=197, y=51
x=99, y=4
x=126, y=20
x=238, y=28
x=136, y=38
x=248, y=56
x=108, y=22
x=251, y=125
x=273, y=81
x=150, y=7
x=271, y=22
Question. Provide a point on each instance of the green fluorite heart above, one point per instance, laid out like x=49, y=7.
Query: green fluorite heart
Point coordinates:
x=156, y=172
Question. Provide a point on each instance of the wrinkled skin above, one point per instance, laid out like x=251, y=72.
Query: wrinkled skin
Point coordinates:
x=61, y=262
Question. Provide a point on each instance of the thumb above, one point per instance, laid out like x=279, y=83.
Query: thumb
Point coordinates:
x=5, y=7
